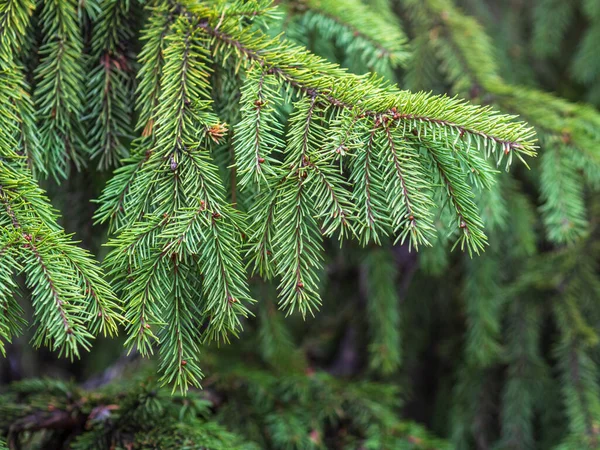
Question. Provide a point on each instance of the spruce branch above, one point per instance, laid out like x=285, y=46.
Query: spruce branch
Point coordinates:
x=11, y=320
x=526, y=373
x=260, y=240
x=371, y=96
x=66, y=286
x=409, y=198
x=28, y=140
x=298, y=249
x=354, y=26
x=368, y=194
x=466, y=53
x=114, y=195
x=59, y=313
x=14, y=22
x=60, y=86
x=22, y=128
x=258, y=133
x=563, y=211
x=168, y=204
x=151, y=60
x=359, y=158
x=180, y=367
x=451, y=178
x=109, y=85
x=385, y=349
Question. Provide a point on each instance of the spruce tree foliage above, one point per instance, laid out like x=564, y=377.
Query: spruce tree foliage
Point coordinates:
x=139, y=414
x=71, y=299
x=352, y=157
x=254, y=174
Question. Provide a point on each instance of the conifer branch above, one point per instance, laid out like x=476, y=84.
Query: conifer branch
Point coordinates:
x=114, y=196
x=385, y=348
x=368, y=193
x=151, y=61
x=173, y=202
x=60, y=86
x=409, y=199
x=257, y=134
x=298, y=248
x=525, y=370
x=14, y=21
x=564, y=128
x=260, y=241
x=343, y=90
x=110, y=85
x=66, y=285
x=564, y=211
x=28, y=142
x=11, y=320
x=460, y=196
x=349, y=138
x=181, y=368
x=354, y=27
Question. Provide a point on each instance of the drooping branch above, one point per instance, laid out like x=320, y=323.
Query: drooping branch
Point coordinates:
x=369, y=96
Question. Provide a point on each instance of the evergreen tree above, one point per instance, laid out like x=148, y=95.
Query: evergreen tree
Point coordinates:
x=336, y=261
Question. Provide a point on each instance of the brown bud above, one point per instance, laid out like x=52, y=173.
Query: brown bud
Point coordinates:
x=183, y=362
x=341, y=150
x=148, y=128
x=217, y=131
x=261, y=160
